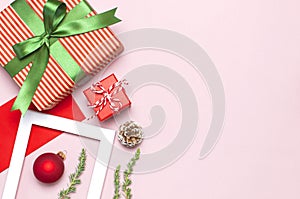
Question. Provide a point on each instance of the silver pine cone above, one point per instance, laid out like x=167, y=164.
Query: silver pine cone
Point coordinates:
x=130, y=134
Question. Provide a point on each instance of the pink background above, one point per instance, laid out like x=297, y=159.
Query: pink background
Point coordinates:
x=255, y=46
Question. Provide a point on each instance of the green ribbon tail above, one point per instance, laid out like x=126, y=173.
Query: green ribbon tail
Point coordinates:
x=16, y=65
x=39, y=64
x=84, y=25
x=28, y=46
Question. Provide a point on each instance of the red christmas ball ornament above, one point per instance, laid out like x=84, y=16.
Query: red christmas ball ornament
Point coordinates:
x=49, y=167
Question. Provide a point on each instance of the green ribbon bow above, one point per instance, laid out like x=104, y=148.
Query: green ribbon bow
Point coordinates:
x=36, y=50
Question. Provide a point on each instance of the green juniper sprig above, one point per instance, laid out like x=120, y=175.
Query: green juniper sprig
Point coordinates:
x=117, y=183
x=74, y=177
x=127, y=181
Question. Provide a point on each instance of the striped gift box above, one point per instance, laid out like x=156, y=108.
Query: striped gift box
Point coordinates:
x=92, y=51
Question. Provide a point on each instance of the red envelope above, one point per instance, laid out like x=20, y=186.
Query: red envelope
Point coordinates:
x=9, y=122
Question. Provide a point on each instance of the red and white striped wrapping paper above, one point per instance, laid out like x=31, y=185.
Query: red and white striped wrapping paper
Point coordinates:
x=92, y=51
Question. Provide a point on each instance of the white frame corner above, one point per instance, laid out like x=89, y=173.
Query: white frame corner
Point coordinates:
x=105, y=136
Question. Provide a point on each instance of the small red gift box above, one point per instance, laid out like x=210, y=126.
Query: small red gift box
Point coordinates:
x=107, y=97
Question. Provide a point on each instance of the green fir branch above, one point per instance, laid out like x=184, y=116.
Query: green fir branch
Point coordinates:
x=117, y=183
x=127, y=181
x=74, y=177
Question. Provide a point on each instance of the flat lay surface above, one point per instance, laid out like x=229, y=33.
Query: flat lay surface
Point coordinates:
x=255, y=49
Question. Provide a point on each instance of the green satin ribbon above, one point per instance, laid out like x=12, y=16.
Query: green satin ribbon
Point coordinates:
x=36, y=50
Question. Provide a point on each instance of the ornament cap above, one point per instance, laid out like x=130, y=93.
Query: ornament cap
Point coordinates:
x=62, y=155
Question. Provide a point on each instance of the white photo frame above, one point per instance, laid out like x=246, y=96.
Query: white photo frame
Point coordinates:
x=105, y=136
